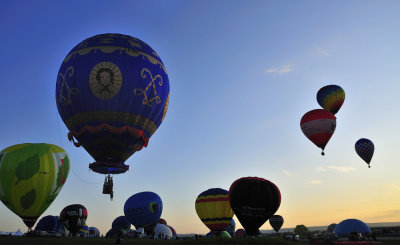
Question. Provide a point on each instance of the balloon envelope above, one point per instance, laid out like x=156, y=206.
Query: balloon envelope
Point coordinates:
x=213, y=208
x=254, y=200
x=112, y=93
x=143, y=210
x=121, y=222
x=318, y=126
x=74, y=217
x=31, y=176
x=365, y=149
x=231, y=227
x=331, y=98
x=350, y=225
x=83, y=231
x=276, y=221
x=161, y=230
x=162, y=221
x=240, y=232
x=93, y=232
x=50, y=223
x=224, y=234
x=173, y=232
x=331, y=228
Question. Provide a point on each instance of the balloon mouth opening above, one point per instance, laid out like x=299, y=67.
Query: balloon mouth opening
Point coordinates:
x=29, y=221
x=109, y=167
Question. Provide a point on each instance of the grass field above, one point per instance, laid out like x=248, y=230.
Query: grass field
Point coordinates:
x=103, y=241
x=203, y=241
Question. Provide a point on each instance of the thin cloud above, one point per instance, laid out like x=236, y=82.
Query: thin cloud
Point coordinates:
x=280, y=70
x=393, y=186
x=342, y=169
x=315, y=182
x=387, y=214
x=287, y=173
x=323, y=52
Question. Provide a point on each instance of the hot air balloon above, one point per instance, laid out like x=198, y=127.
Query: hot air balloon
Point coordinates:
x=276, y=221
x=331, y=228
x=240, y=232
x=231, y=227
x=74, y=217
x=93, y=232
x=162, y=232
x=318, y=126
x=173, y=232
x=121, y=222
x=112, y=93
x=162, y=221
x=254, y=200
x=50, y=224
x=365, y=149
x=331, y=98
x=213, y=208
x=143, y=210
x=83, y=231
x=31, y=176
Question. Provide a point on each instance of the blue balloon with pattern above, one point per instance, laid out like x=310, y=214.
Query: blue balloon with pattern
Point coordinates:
x=365, y=149
x=112, y=93
x=143, y=209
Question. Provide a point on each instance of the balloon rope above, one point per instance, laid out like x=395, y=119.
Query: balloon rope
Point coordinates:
x=71, y=165
x=91, y=183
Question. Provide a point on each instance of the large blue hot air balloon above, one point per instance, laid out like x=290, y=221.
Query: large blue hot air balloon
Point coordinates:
x=365, y=149
x=143, y=210
x=112, y=93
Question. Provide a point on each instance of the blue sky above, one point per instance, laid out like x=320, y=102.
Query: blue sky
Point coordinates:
x=242, y=74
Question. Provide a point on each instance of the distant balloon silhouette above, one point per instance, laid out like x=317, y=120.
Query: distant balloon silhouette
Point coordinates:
x=276, y=221
x=365, y=149
x=121, y=222
x=254, y=200
x=240, y=232
x=331, y=98
x=231, y=227
x=331, y=228
x=74, y=217
x=162, y=221
x=50, y=223
x=318, y=126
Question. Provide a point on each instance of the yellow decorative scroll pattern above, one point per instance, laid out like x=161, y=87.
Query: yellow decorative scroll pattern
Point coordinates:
x=111, y=116
x=165, y=108
x=149, y=101
x=111, y=49
x=70, y=91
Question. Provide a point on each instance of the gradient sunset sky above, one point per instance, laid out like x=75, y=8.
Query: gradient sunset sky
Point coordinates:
x=242, y=74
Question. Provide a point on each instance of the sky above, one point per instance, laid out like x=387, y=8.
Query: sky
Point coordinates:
x=242, y=74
